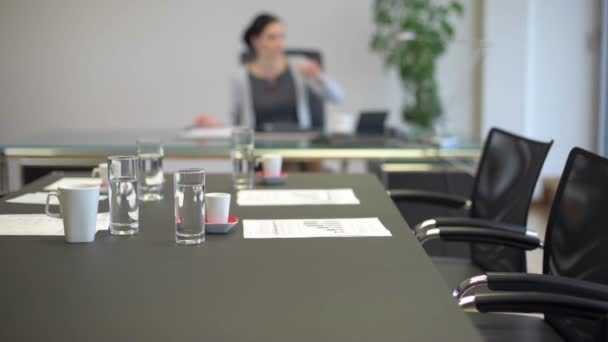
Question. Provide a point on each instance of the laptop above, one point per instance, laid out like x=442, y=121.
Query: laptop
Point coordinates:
x=371, y=123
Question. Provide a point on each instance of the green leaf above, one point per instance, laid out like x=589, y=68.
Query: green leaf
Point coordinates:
x=415, y=60
x=456, y=6
x=447, y=28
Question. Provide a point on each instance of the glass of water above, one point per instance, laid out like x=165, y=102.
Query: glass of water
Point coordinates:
x=124, y=209
x=241, y=155
x=150, y=173
x=189, y=206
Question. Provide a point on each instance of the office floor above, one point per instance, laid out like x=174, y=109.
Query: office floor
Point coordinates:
x=537, y=220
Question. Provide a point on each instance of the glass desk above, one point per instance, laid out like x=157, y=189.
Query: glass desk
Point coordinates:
x=68, y=148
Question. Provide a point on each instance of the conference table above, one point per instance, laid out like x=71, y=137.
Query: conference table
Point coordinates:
x=147, y=288
x=61, y=149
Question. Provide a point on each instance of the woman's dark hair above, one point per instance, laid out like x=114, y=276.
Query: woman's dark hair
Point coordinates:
x=257, y=26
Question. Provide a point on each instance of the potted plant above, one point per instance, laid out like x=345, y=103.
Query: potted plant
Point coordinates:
x=411, y=35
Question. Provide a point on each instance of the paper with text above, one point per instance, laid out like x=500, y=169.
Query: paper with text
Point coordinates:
x=70, y=181
x=312, y=228
x=285, y=197
x=206, y=133
x=40, y=224
x=40, y=198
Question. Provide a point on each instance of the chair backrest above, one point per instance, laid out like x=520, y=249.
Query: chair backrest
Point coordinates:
x=502, y=191
x=315, y=102
x=576, y=241
x=249, y=55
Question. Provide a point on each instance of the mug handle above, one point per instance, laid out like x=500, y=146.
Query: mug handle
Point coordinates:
x=96, y=172
x=257, y=163
x=48, y=204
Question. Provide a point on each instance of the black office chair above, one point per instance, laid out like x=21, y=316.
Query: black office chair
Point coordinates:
x=315, y=103
x=501, y=196
x=573, y=291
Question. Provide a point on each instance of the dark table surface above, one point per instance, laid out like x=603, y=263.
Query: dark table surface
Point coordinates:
x=146, y=288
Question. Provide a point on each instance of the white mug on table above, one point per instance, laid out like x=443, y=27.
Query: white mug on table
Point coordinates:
x=272, y=164
x=341, y=123
x=101, y=171
x=217, y=207
x=78, y=209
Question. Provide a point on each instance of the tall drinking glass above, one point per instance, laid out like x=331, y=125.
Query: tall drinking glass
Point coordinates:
x=242, y=158
x=124, y=209
x=189, y=206
x=150, y=173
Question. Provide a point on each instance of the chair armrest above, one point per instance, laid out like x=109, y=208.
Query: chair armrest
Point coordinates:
x=535, y=302
x=498, y=281
x=472, y=222
x=483, y=235
x=430, y=197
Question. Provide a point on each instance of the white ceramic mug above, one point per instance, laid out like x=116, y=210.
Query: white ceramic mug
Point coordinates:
x=217, y=207
x=272, y=164
x=78, y=209
x=101, y=171
x=341, y=123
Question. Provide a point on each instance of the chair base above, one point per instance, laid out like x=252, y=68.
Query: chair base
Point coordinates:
x=507, y=328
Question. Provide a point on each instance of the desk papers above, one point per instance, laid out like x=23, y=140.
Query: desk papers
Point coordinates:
x=70, y=181
x=40, y=224
x=40, y=198
x=312, y=228
x=206, y=133
x=287, y=197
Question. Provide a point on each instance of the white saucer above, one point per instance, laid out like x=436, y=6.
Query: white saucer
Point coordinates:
x=221, y=228
x=275, y=180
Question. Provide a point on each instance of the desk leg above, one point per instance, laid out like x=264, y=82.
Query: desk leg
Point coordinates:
x=14, y=174
x=344, y=166
x=3, y=176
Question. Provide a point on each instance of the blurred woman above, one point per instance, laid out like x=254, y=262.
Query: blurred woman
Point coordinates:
x=272, y=90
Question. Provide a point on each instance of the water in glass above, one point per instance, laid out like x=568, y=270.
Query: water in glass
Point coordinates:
x=189, y=208
x=124, y=210
x=243, y=168
x=151, y=176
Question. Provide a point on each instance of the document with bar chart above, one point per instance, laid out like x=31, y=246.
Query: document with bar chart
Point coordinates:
x=314, y=228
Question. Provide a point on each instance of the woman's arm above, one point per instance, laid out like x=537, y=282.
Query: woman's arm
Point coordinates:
x=322, y=85
x=236, y=109
x=206, y=120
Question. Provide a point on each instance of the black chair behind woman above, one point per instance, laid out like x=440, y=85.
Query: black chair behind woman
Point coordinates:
x=315, y=55
x=501, y=196
x=315, y=102
x=573, y=291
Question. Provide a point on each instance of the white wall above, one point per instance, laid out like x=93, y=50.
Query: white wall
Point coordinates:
x=565, y=76
x=106, y=64
x=504, y=69
x=457, y=74
x=541, y=72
